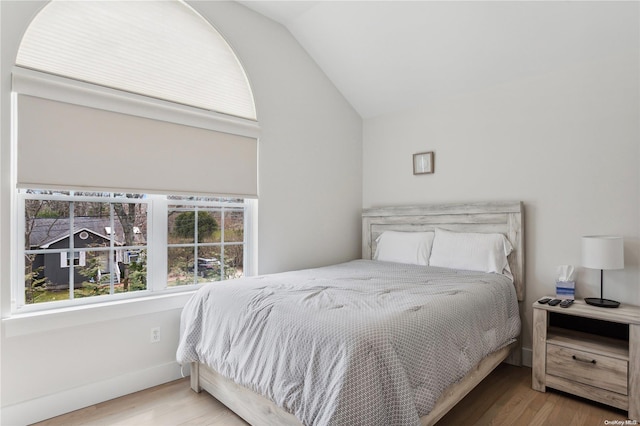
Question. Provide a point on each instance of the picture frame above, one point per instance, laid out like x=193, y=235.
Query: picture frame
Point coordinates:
x=423, y=163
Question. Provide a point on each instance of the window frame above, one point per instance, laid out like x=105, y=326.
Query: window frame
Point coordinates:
x=196, y=206
x=62, y=89
x=156, y=247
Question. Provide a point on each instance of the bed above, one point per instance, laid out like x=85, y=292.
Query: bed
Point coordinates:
x=387, y=384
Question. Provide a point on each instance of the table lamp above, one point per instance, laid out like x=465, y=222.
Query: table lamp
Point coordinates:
x=602, y=252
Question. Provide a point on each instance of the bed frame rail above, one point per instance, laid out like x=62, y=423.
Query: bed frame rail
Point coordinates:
x=258, y=410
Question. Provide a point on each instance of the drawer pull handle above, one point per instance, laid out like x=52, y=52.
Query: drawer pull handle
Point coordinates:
x=589, y=361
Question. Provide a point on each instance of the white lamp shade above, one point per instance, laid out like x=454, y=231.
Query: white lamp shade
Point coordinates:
x=603, y=252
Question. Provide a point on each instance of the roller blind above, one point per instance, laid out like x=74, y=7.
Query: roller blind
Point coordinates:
x=78, y=147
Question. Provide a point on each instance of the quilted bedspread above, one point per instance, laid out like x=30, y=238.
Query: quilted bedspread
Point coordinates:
x=359, y=343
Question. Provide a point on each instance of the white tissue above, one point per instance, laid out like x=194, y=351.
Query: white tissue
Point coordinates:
x=566, y=273
x=565, y=282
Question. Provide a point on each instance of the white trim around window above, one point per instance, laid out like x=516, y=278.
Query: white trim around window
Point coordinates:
x=61, y=89
x=60, y=318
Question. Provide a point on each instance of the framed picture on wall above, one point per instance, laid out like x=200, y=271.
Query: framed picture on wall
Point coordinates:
x=423, y=163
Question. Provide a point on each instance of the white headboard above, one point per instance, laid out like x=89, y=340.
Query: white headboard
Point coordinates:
x=501, y=217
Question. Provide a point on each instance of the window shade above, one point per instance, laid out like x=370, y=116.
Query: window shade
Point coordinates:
x=161, y=49
x=62, y=145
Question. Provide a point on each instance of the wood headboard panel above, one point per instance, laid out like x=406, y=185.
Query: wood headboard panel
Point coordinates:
x=500, y=217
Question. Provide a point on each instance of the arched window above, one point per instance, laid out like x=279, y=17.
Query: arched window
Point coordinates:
x=130, y=118
x=162, y=49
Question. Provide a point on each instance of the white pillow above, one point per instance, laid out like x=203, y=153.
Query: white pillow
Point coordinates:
x=404, y=247
x=471, y=251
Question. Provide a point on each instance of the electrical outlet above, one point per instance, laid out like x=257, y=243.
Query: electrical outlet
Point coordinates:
x=155, y=334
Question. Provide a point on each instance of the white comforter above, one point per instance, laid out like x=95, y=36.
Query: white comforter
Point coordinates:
x=360, y=343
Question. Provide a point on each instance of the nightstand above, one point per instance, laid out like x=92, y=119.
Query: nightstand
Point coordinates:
x=590, y=352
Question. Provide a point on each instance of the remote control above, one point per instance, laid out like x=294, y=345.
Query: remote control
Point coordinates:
x=566, y=303
x=545, y=300
x=554, y=302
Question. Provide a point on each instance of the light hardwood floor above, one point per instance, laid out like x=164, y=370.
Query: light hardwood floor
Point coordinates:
x=504, y=398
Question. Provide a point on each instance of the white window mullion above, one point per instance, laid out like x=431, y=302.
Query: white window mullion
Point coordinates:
x=112, y=261
x=157, y=230
x=195, y=242
x=223, y=272
x=71, y=247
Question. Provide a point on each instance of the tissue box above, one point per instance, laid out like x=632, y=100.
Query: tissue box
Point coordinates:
x=565, y=289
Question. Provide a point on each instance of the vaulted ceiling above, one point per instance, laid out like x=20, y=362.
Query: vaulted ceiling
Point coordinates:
x=387, y=56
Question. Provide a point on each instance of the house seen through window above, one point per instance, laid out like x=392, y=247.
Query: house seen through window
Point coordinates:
x=82, y=244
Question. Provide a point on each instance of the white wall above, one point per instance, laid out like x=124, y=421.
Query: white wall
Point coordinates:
x=565, y=143
x=310, y=151
x=310, y=185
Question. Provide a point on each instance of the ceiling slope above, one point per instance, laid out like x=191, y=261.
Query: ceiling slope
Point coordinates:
x=386, y=56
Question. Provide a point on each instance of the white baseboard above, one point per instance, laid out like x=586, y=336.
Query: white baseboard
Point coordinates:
x=45, y=407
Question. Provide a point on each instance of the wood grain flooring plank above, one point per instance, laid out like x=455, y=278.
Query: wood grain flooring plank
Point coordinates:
x=505, y=397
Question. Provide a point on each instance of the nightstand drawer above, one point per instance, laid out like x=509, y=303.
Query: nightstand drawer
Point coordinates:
x=585, y=367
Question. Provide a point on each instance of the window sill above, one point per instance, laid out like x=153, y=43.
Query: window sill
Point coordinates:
x=43, y=321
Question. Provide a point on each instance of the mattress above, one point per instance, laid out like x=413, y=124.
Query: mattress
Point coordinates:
x=363, y=342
